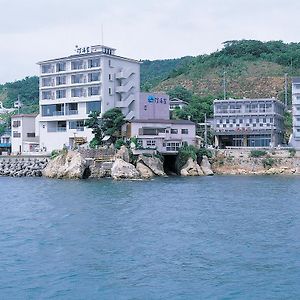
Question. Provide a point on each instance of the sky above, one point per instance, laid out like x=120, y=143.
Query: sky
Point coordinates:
x=36, y=30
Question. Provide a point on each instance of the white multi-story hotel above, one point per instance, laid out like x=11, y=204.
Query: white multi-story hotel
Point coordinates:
x=295, y=138
x=94, y=79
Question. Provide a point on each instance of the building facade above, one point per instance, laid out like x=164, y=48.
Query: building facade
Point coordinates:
x=295, y=138
x=5, y=143
x=164, y=136
x=23, y=135
x=248, y=122
x=153, y=106
x=94, y=79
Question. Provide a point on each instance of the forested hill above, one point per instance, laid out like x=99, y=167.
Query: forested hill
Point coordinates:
x=252, y=69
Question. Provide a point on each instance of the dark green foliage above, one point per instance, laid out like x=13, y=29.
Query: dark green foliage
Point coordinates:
x=204, y=152
x=94, y=123
x=292, y=152
x=28, y=91
x=184, y=153
x=197, y=108
x=181, y=93
x=112, y=122
x=2, y=128
x=258, y=153
x=268, y=162
x=119, y=143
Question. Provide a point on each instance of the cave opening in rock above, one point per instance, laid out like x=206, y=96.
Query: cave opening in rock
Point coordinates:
x=170, y=164
x=86, y=173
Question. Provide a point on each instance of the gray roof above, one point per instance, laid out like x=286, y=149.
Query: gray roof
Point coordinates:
x=296, y=79
x=162, y=121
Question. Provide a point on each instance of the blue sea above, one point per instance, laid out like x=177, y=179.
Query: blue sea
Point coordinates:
x=221, y=237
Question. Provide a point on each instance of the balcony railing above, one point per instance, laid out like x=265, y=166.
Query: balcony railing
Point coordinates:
x=72, y=112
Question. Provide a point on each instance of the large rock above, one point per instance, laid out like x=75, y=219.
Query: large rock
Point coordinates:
x=144, y=171
x=191, y=168
x=206, y=167
x=153, y=163
x=123, y=170
x=123, y=154
x=71, y=165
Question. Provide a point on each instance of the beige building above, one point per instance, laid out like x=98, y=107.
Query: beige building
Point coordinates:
x=23, y=138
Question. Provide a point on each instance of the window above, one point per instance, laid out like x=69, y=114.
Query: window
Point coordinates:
x=109, y=77
x=94, y=90
x=109, y=91
x=61, y=126
x=76, y=65
x=47, y=68
x=94, y=62
x=172, y=146
x=241, y=121
x=16, y=134
x=60, y=80
x=184, y=131
x=78, y=78
x=31, y=134
x=16, y=123
x=93, y=106
x=139, y=143
x=52, y=110
x=72, y=108
x=60, y=94
x=150, y=143
x=47, y=81
x=78, y=125
x=94, y=76
x=174, y=131
x=264, y=120
x=46, y=95
x=60, y=67
x=78, y=92
x=152, y=131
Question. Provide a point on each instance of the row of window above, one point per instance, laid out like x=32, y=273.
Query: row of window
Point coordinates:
x=74, y=79
x=75, y=65
x=69, y=109
x=75, y=93
x=242, y=121
x=17, y=134
x=61, y=126
x=170, y=146
x=156, y=131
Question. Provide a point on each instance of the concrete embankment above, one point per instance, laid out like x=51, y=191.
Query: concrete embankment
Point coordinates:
x=22, y=166
x=242, y=162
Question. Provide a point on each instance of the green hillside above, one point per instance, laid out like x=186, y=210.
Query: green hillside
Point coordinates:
x=252, y=69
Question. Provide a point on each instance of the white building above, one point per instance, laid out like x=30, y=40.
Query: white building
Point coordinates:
x=295, y=138
x=164, y=136
x=94, y=79
x=23, y=138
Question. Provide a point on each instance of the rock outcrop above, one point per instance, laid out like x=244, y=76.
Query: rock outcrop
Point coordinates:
x=144, y=171
x=71, y=166
x=191, y=168
x=123, y=170
x=21, y=167
x=153, y=163
x=123, y=154
x=206, y=167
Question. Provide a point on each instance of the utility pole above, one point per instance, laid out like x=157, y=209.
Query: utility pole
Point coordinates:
x=224, y=84
x=285, y=89
x=205, y=131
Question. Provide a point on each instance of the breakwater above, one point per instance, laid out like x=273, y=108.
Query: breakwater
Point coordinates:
x=22, y=167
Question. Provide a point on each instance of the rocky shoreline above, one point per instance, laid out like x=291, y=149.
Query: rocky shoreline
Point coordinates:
x=22, y=167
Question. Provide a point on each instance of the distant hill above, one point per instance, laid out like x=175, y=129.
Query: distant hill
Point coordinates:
x=253, y=69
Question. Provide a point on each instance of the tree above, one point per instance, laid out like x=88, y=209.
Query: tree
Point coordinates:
x=94, y=123
x=112, y=122
x=181, y=93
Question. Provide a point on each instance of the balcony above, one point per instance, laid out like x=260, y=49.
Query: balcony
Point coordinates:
x=72, y=112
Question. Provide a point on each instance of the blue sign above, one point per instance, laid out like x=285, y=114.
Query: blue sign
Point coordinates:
x=151, y=99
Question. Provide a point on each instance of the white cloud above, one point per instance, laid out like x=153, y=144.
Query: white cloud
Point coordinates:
x=34, y=30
